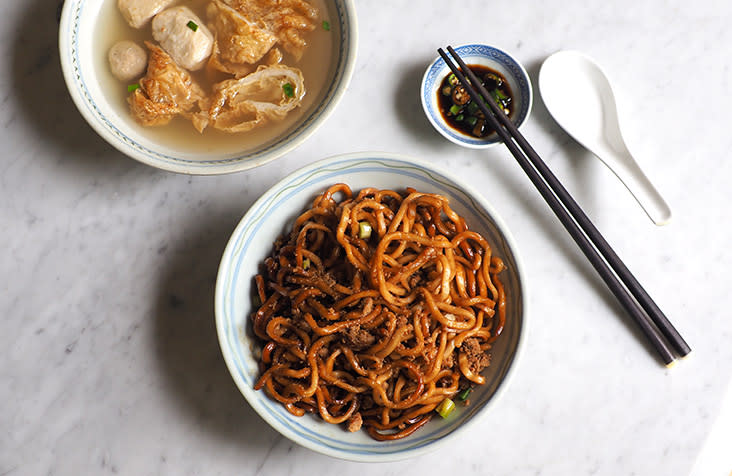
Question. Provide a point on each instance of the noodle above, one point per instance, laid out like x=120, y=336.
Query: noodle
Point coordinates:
x=376, y=308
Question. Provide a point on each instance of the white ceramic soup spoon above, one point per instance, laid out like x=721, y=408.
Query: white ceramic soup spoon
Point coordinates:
x=579, y=97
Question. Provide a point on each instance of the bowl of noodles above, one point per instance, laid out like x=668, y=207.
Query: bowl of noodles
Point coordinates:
x=207, y=86
x=371, y=306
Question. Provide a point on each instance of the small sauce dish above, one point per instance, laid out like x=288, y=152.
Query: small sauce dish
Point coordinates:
x=487, y=56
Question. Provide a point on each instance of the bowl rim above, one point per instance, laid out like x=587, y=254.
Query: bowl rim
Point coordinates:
x=225, y=163
x=453, y=135
x=302, y=174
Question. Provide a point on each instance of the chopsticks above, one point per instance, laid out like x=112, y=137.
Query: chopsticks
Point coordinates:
x=626, y=288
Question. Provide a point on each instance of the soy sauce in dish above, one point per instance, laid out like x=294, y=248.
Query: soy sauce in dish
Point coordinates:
x=461, y=112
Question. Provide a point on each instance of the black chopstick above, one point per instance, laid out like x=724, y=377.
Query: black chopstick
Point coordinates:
x=600, y=254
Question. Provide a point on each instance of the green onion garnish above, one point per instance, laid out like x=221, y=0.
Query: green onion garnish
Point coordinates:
x=459, y=117
x=462, y=396
x=132, y=87
x=326, y=26
x=192, y=25
x=289, y=90
x=455, y=109
x=364, y=230
x=445, y=408
x=500, y=98
x=306, y=263
x=472, y=121
x=452, y=79
x=473, y=107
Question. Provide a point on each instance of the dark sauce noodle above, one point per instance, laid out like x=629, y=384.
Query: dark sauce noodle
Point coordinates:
x=461, y=112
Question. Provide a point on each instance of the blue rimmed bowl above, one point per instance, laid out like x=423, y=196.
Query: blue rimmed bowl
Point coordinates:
x=101, y=100
x=271, y=216
x=484, y=55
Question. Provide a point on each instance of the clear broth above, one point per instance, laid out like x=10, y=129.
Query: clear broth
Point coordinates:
x=316, y=64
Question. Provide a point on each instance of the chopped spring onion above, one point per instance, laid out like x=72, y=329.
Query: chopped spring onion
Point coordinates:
x=445, y=408
x=472, y=121
x=326, y=25
x=192, y=25
x=473, y=107
x=289, y=90
x=462, y=396
x=306, y=263
x=500, y=98
x=459, y=117
x=455, y=109
x=452, y=79
x=498, y=94
x=132, y=87
x=364, y=230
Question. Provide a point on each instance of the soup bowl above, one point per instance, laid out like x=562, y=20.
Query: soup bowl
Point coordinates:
x=87, y=30
x=273, y=214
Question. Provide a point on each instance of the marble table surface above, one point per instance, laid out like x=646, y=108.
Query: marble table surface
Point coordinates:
x=110, y=362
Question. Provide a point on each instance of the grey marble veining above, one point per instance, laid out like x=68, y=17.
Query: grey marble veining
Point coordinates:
x=110, y=362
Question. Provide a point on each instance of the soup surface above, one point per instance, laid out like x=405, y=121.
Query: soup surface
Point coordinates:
x=317, y=66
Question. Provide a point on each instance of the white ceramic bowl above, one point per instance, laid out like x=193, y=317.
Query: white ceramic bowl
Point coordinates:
x=273, y=214
x=86, y=80
x=484, y=55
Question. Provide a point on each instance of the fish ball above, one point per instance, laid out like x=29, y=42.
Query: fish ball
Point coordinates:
x=127, y=60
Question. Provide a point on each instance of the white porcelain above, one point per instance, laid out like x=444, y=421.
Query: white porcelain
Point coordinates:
x=79, y=21
x=494, y=58
x=580, y=98
x=273, y=213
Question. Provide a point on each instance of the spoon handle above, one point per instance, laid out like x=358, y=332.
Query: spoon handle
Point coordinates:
x=625, y=167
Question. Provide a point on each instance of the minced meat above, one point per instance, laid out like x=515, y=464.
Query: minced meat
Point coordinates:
x=477, y=359
x=402, y=320
x=357, y=338
x=354, y=423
